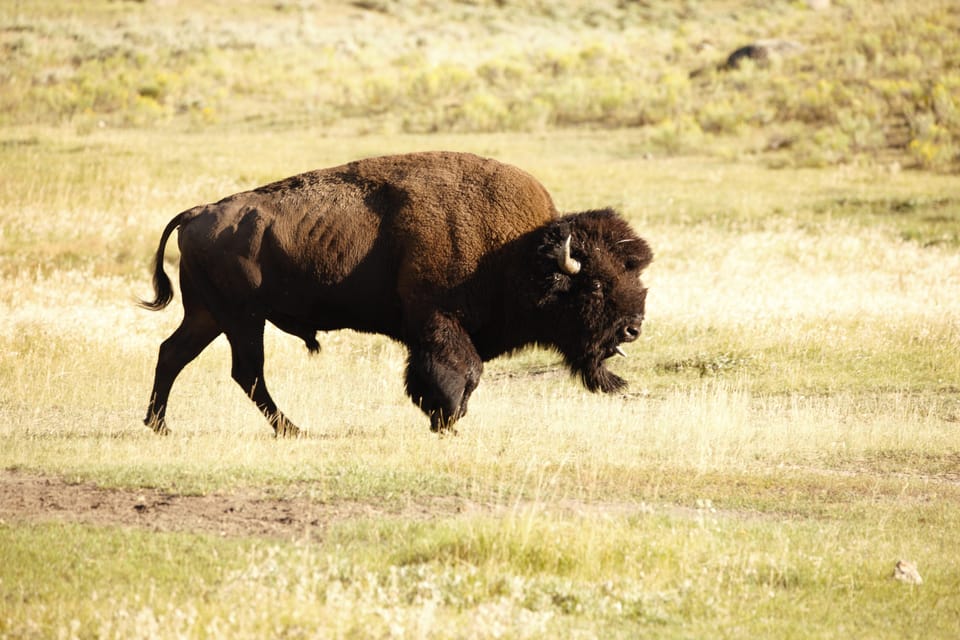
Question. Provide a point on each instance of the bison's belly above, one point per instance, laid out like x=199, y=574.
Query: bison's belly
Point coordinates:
x=324, y=275
x=305, y=304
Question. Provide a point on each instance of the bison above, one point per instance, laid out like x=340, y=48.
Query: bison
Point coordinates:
x=460, y=258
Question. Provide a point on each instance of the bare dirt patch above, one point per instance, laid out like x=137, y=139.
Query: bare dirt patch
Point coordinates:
x=33, y=498
x=27, y=497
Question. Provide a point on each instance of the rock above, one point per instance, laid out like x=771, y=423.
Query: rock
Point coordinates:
x=906, y=571
x=761, y=52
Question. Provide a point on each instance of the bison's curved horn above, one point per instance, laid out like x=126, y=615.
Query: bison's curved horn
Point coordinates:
x=566, y=262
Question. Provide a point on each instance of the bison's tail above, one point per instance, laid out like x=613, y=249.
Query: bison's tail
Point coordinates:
x=162, y=288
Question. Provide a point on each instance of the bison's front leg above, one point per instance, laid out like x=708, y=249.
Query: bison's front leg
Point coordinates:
x=443, y=369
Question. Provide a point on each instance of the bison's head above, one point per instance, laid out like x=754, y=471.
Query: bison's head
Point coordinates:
x=592, y=293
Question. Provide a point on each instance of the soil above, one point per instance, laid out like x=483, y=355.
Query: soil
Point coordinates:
x=32, y=498
x=36, y=498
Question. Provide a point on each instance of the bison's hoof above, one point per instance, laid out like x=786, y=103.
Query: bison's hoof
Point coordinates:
x=442, y=428
x=288, y=430
x=159, y=427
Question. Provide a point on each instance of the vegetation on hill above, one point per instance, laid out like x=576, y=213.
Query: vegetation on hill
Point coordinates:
x=865, y=80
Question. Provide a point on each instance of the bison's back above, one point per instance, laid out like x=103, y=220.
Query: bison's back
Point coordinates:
x=339, y=247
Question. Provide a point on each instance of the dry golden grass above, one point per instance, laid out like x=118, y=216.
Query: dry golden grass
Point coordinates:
x=772, y=335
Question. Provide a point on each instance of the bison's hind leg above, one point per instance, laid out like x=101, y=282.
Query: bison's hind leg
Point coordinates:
x=196, y=331
x=246, y=348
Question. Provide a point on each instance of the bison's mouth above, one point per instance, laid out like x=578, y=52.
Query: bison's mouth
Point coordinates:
x=628, y=332
x=615, y=350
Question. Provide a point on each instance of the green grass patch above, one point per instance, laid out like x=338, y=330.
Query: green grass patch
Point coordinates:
x=929, y=221
x=524, y=575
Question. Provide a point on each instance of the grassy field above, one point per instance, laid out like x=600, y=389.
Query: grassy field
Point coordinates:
x=791, y=426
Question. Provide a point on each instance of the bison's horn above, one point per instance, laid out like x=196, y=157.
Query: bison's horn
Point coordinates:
x=567, y=263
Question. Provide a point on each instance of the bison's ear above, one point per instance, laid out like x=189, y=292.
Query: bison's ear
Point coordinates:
x=553, y=237
x=556, y=246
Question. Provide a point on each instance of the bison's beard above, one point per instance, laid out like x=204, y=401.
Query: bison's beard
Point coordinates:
x=586, y=354
x=594, y=374
x=599, y=378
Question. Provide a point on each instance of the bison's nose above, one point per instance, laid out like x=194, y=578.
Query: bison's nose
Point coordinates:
x=631, y=331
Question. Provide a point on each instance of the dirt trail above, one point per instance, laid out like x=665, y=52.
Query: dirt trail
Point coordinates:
x=28, y=497
x=35, y=498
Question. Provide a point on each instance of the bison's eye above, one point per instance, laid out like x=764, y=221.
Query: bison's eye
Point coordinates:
x=596, y=286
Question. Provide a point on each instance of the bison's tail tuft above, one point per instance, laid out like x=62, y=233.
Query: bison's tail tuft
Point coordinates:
x=162, y=288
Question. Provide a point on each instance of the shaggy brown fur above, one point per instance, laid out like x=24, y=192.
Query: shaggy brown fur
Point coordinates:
x=456, y=256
